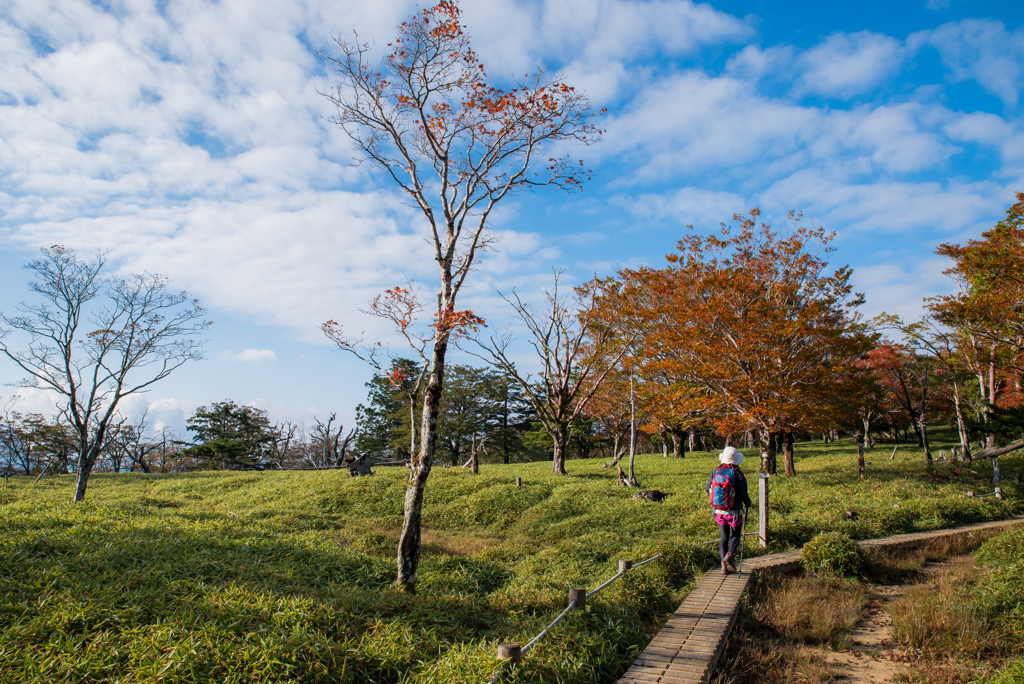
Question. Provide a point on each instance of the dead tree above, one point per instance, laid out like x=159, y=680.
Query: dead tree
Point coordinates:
x=329, y=447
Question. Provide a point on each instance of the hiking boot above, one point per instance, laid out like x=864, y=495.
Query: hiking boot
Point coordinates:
x=729, y=565
x=725, y=569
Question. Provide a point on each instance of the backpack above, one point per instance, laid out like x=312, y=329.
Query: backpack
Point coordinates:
x=723, y=488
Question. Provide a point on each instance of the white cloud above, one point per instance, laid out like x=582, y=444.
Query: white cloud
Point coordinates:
x=250, y=355
x=595, y=41
x=848, y=64
x=686, y=206
x=753, y=63
x=981, y=50
x=900, y=287
x=692, y=123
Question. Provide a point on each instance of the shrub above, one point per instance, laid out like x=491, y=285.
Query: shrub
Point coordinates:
x=832, y=553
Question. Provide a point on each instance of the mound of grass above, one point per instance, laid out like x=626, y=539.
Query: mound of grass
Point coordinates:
x=834, y=554
x=286, y=576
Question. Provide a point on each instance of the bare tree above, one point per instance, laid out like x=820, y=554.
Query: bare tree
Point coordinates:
x=576, y=355
x=95, y=340
x=127, y=441
x=456, y=146
x=281, y=438
x=328, y=448
x=15, y=440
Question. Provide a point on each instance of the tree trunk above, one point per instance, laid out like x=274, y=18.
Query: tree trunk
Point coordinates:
x=412, y=427
x=86, y=459
x=558, y=458
x=924, y=442
x=409, y=541
x=961, y=426
x=632, y=451
x=767, y=451
x=773, y=463
x=474, y=462
x=679, y=443
x=664, y=441
x=991, y=392
x=616, y=452
x=693, y=441
x=867, y=431
x=787, y=438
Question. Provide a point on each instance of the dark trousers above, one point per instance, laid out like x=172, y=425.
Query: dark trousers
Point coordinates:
x=730, y=539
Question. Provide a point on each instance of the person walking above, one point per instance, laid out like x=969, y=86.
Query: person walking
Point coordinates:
x=727, y=490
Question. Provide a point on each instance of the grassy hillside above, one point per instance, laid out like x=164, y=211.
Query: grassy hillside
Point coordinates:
x=285, y=576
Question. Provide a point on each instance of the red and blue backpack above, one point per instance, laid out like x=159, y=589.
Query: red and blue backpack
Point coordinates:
x=723, y=488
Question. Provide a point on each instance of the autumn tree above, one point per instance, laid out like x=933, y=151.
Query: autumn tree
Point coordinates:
x=456, y=145
x=990, y=276
x=944, y=347
x=910, y=379
x=987, y=312
x=749, y=323
x=94, y=340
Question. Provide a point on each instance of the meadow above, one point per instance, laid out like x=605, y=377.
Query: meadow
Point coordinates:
x=287, y=576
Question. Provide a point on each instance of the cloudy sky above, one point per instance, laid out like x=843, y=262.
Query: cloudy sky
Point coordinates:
x=187, y=138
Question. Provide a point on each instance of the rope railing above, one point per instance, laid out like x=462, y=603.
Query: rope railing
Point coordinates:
x=513, y=653
x=998, y=493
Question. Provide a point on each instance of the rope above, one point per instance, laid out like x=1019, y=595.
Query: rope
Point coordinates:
x=554, y=623
x=533, y=642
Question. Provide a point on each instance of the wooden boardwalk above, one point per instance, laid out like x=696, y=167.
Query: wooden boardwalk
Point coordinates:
x=688, y=647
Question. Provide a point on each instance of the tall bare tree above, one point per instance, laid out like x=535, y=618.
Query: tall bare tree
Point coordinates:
x=576, y=354
x=456, y=145
x=95, y=340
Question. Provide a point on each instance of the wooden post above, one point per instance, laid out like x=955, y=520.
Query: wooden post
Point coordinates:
x=510, y=651
x=579, y=595
x=625, y=564
x=970, y=495
x=762, y=509
x=519, y=482
x=860, y=455
x=999, y=493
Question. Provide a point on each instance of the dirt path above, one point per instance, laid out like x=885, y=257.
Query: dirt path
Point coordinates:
x=871, y=658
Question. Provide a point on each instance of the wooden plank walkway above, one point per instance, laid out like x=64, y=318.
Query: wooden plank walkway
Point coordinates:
x=688, y=647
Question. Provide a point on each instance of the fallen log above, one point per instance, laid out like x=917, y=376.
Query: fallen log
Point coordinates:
x=993, y=452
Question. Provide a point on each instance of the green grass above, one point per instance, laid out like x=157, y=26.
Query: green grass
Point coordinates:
x=286, y=576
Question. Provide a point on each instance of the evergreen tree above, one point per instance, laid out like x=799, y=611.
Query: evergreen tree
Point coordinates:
x=230, y=435
x=384, y=423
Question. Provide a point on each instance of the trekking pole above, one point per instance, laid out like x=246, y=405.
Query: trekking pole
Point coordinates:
x=743, y=541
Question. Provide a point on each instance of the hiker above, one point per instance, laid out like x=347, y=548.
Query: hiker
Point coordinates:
x=727, y=488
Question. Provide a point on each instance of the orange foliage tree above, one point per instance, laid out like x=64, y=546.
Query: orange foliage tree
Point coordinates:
x=987, y=314
x=456, y=146
x=749, y=324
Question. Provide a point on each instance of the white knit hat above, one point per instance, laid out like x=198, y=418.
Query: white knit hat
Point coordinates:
x=731, y=456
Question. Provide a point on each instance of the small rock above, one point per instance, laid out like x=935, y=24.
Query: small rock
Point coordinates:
x=852, y=515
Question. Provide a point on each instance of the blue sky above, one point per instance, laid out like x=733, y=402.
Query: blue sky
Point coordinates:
x=188, y=139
